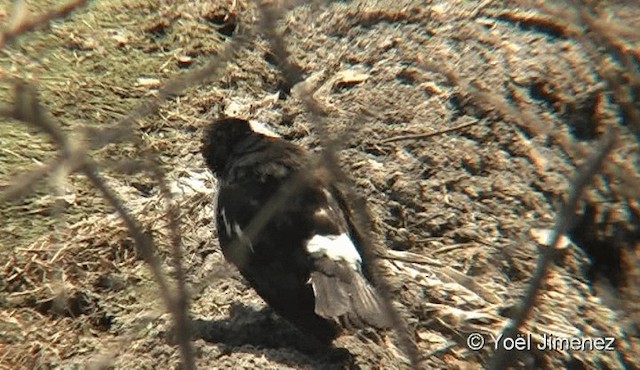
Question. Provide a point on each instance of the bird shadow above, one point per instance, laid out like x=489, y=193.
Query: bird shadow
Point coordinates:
x=260, y=331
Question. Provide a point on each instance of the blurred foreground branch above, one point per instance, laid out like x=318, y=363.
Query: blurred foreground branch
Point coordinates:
x=28, y=109
x=548, y=253
x=21, y=21
x=270, y=16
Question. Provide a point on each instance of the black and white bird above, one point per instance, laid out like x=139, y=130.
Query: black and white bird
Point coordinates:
x=306, y=261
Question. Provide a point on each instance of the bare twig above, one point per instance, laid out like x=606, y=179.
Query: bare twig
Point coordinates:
x=563, y=221
x=596, y=33
x=487, y=99
x=24, y=183
x=27, y=108
x=181, y=299
x=123, y=127
x=21, y=23
x=270, y=14
x=621, y=82
x=76, y=158
x=144, y=245
x=430, y=134
x=34, y=114
x=329, y=161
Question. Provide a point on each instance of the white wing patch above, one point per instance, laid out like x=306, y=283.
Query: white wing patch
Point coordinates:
x=336, y=247
x=227, y=225
x=236, y=229
x=241, y=236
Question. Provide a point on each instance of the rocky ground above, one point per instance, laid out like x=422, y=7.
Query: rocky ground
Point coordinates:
x=462, y=123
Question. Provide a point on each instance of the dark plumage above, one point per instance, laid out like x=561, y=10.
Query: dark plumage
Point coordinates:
x=306, y=262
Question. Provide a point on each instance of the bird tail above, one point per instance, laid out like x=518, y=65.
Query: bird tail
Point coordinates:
x=349, y=299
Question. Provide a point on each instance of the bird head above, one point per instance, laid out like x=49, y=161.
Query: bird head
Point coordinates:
x=219, y=140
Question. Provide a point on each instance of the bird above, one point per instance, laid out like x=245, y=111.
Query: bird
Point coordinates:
x=306, y=261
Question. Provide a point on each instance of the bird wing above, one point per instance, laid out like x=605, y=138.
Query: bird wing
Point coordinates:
x=234, y=213
x=256, y=170
x=342, y=292
x=312, y=236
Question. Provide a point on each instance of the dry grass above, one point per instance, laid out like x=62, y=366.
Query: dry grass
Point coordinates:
x=87, y=285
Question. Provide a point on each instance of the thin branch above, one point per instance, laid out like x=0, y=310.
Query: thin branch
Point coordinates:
x=583, y=178
x=29, y=110
x=430, y=134
x=270, y=15
x=486, y=99
x=622, y=82
x=24, y=22
x=181, y=299
x=144, y=243
x=24, y=183
x=122, y=128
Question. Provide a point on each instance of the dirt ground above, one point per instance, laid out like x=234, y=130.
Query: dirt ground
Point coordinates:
x=525, y=89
